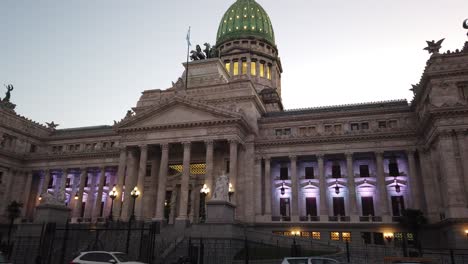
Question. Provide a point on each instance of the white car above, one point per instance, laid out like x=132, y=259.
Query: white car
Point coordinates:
x=309, y=260
x=99, y=257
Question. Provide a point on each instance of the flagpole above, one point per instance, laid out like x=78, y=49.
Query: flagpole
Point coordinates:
x=188, y=51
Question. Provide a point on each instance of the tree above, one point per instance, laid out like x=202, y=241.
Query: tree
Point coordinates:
x=13, y=212
x=412, y=220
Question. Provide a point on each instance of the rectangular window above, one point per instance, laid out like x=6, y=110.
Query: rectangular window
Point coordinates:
x=312, y=130
x=328, y=128
x=228, y=67
x=364, y=170
x=83, y=207
x=284, y=173
x=338, y=206
x=262, y=70
x=1, y=177
x=244, y=67
x=398, y=205
x=253, y=68
x=50, y=184
x=311, y=206
x=148, y=171
x=335, y=236
x=392, y=123
x=378, y=239
x=102, y=209
x=382, y=124
x=235, y=71
x=278, y=132
x=367, y=206
x=269, y=72
x=366, y=237
x=227, y=166
x=336, y=171
x=464, y=90
x=67, y=184
x=337, y=128
x=309, y=173
x=354, y=127
x=364, y=126
x=316, y=235
x=302, y=131
x=33, y=148
x=393, y=169
x=284, y=207
x=287, y=131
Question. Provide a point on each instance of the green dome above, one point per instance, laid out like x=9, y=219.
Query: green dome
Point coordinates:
x=244, y=19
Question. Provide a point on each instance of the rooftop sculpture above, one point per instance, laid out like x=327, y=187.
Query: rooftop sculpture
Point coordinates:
x=434, y=47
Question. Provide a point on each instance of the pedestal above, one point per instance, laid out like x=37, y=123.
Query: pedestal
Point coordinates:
x=48, y=213
x=220, y=212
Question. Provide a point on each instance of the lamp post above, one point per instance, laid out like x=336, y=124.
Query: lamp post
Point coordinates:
x=203, y=193
x=231, y=191
x=134, y=193
x=388, y=237
x=294, y=250
x=112, y=194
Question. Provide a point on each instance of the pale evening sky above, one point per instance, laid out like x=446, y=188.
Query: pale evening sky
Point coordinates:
x=86, y=62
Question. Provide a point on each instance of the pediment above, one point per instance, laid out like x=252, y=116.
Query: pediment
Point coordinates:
x=177, y=112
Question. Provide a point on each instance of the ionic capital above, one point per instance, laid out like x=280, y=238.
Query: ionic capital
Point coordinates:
x=186, y=144
x=164, y=146
x=209, y=142
x=143, y=147
x=293, y=157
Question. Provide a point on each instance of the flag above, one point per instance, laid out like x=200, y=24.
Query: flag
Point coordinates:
x=188, y=38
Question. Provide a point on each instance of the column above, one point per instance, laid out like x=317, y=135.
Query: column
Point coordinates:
x=162, y=182
x=27, y=191
x=461, y=138
x=382, y=185
x=63, y=181
x=184, y=185
x=268, y=187
x=258, y=185
x=79, y=202
x=294, y=189
x=120, y=182
x=130, y=183
x=209, y=177
x=233, y=167
x=150, y=198
x=45, y=184
x=413, y=181
x=430, y=193
x=353, y=212
x=141, y=182
x=6, y=194
x=452, y=182
x=323, y=189
x=98, y=203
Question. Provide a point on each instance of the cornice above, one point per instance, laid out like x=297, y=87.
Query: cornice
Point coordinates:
x=336, y=139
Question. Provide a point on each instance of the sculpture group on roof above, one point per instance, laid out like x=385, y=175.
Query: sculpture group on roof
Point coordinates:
x=208, y=53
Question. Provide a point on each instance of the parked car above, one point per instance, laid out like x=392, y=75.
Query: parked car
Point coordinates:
x=309, y=260
x=99, y=257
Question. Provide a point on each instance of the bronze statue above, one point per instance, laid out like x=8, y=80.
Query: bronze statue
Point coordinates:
x=434, y=47
x=414, y=88
x=208, y=53
x=8, y=93
x=52, y=125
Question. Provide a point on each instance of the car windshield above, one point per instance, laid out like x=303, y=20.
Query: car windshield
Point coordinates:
x=122, y=257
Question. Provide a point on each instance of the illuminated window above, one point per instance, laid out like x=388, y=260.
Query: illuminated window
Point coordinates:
x=253, y=68
x=316, y=235
x=346, y=236
x=305, y=234
x=236, y=68
x=244, y=67
x=269, y=73
x=228, y=66
x=262, y=70
x=335, y=236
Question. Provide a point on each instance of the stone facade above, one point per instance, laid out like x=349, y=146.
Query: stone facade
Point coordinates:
x=342, y=168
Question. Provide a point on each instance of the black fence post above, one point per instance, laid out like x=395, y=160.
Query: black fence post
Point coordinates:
x=452, y=256
x=128, y=235
x=246, y=248
x=348, y=257
x=202, y=252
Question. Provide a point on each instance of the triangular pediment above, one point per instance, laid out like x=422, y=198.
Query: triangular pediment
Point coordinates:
x=178, y=111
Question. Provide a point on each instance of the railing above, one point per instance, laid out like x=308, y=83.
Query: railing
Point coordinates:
x=339, y=218
x=309, y=218
x=370, y=218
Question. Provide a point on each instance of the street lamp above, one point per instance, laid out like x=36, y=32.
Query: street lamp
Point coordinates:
x=397, y=186
x=466, y=230
x=337, y=188
x=77, y=196
x=134, y=193
x=112, y=194
x=388, y=237
x=203, y=193
x=231, y=191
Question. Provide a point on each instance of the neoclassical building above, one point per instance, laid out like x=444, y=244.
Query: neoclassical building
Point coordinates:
x=330, y=171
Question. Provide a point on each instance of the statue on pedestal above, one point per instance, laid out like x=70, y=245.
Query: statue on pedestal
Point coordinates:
x=221, y=191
